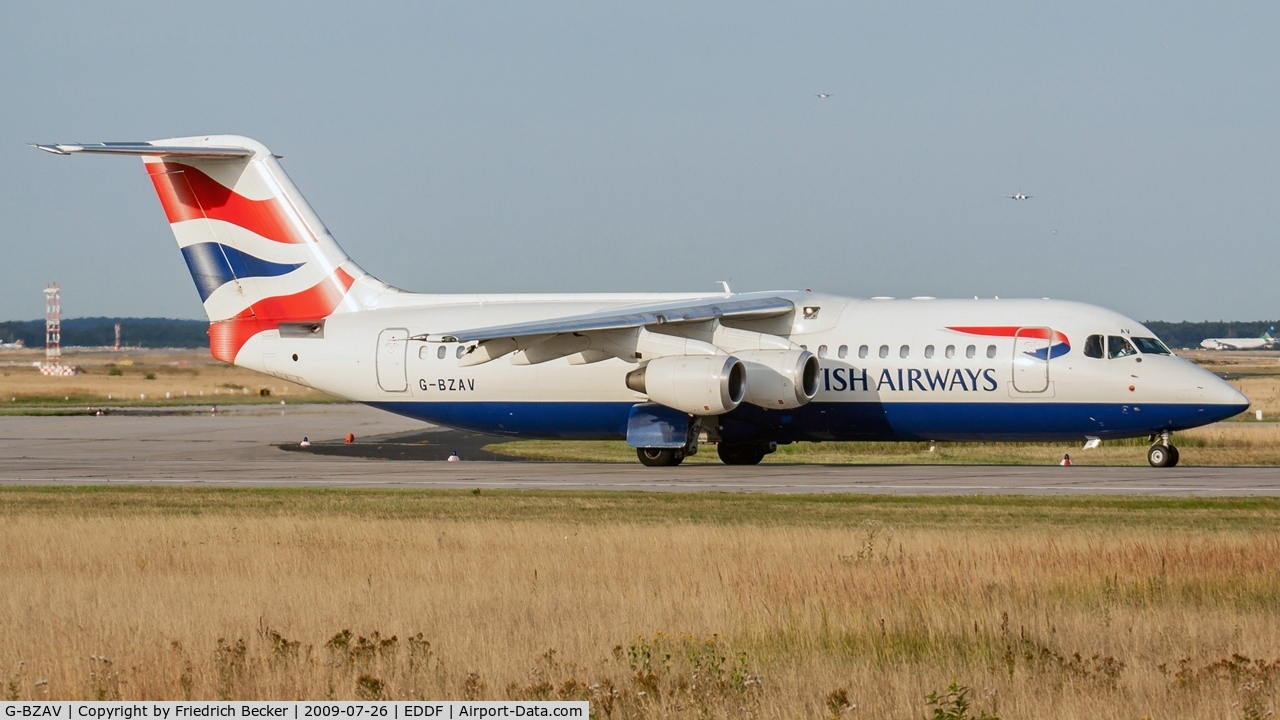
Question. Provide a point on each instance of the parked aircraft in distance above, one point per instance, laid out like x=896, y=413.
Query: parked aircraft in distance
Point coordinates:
x=667, y=372
x=1019, y=196
x=1263, y=341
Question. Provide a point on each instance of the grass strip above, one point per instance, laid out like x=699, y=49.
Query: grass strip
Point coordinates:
x=602, y=508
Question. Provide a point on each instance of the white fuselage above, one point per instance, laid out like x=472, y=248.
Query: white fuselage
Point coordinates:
x=891, y=369
x=1237, y=343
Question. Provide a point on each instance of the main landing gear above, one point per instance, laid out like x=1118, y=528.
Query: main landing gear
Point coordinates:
x=744, y=453
x=730, y=454
x=660, y=457
x=1162, y=453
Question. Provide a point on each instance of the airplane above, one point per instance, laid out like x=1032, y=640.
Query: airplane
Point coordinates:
x=666, y=372
x=1019, y=196
x=1265, y=340
x=824, y=96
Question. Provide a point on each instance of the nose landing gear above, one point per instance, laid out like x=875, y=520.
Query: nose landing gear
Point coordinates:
x=1162, y=453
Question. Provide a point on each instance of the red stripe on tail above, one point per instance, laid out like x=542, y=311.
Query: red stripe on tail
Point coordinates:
x=185, y=192
x=228, y=336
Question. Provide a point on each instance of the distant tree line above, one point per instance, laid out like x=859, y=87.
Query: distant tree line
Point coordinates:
x=1189, y=334
x=100, y=331
x=165, y=332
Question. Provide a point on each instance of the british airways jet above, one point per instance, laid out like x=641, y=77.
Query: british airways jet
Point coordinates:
x=667, y=372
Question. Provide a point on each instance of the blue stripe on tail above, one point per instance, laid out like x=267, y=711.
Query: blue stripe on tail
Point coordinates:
x=213, y=265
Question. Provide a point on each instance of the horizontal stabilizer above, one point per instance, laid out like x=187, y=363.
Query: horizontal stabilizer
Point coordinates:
x=146, y=148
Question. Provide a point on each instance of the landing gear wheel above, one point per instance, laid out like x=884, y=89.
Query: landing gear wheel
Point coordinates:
x=1162, y=455
x=660, y=457
x=750, y=454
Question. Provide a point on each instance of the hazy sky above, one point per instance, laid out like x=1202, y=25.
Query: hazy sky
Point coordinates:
x=599, y=146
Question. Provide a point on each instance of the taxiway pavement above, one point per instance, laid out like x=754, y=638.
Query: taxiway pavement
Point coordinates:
x=239, y=447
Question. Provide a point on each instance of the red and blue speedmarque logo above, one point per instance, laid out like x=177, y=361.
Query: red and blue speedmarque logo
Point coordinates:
x=1058, y=346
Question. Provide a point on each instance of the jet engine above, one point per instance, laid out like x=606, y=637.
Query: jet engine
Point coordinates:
x=780, y=379
x=696, y=384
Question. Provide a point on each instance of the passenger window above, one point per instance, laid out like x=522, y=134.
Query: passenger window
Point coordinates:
x=970, y=352
x=991, y=351
x=440, y=353
x=904, y=351
x=862, y=351
x=843, y=352
x=1093, y=346
x=423, y=352
x=461, y=351
x=884, y=351
x=951, y=351
x=822, y=351
x=1151, y=346
x=928, y=351
x=1118, y=347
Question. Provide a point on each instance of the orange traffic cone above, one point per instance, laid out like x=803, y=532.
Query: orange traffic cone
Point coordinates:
x=1066, y=460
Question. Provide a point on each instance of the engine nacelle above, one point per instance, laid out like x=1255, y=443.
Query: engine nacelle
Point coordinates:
x=696, y=384
x=780, y=379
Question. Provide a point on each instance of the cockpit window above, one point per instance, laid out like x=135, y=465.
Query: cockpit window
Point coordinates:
x=1151, y=346
x=1118, y=347
x=1093, y=346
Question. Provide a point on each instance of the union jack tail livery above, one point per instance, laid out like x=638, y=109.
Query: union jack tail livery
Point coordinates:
x=257, y=252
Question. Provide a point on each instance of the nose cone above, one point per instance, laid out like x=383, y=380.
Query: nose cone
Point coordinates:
x=1225, y=399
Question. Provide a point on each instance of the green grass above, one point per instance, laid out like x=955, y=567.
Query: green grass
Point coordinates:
x=1214, y=445
x=79, y=404
x=1114, y=452
x=602, y=508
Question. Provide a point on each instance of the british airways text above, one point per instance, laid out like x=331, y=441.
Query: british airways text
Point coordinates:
x=909, y=379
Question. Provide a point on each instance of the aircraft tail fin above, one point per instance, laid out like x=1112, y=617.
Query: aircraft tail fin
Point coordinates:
x=258, y=253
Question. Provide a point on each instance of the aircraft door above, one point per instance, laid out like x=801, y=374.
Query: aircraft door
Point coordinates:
x=392, y=347
x=1031, y=347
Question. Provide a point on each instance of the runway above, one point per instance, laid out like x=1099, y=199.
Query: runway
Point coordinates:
x=238, y=447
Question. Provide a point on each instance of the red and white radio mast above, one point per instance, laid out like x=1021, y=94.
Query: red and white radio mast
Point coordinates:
x=53, y=333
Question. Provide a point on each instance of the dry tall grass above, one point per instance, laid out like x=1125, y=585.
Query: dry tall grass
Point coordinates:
x=138, y=377
x=764, y=615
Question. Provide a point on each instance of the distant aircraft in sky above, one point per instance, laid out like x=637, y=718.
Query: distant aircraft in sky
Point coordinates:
x=667, y=372
x=1018, y=196
x=1263, y=341
x=824, y=96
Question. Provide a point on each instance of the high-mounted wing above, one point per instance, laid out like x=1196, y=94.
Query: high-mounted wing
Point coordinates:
x=743, y=306
x=620, y=332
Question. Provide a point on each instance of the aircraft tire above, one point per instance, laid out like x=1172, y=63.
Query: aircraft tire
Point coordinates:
x=1161, y=455
x=750, y=454
x=660, y=457
x=1173, y=456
